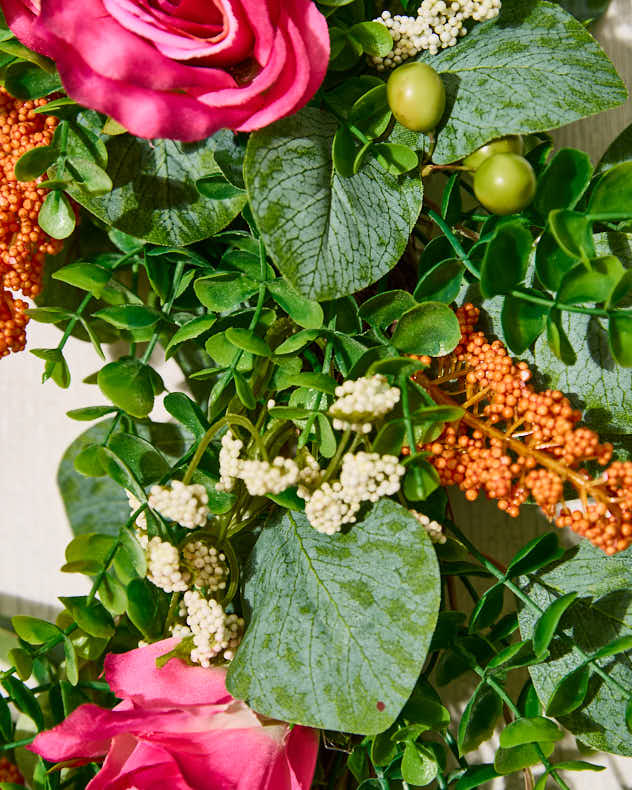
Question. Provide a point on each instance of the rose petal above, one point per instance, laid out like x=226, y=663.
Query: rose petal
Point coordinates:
x=222, y=45
x=138, y=764
x=135, y=675
x=87, y=732
x=116, y=53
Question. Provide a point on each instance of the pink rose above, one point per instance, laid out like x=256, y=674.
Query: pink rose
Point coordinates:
x=180, y=68
x=178, y=728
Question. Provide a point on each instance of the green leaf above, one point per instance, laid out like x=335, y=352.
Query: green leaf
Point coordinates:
x=506, y=259
x=343, y=152
x=420, y=481
x=56, y=216
x=22, y=660
x=374, y=38
x=371, y=112
x=161, y=203
x=523, y=322
x=6, y=723
x=551, y=262
x=508, y=761
x=564, y=181
x=593, y=283
x=573, y=233
x=419, y=766
x=72, y=668
x=429, y=328
x=244, y=390
x=247, y=340
x=620, y=337
x=531, y=730
x=315, y=381
x=385, y=308
x=488, y=608
x=395, y=158
x=305, y=312
x=25, y=80
x=88, y=413
x=87, y=276
x=222, y=292
x=33, y=630
x=298, y=341
x=620, y=645
x=475, y=776
x=557, y=339
x=143, y=607
x=187, y=412
x=89, y=176
x=547, y=623
x=601, y=614
x=328, y=235
x=442, y=283
x=620, y=150
x=611, y=197
x=578, y=765
x=341, y=618
x=535, y=555
x=24, y=700
x=570, y=692
x=479, y=719
x=35, y=162
x=128, y=384
x=129, y=316
x=531, y=75
x=189, y=331
x=217, y=187
x=92, y=617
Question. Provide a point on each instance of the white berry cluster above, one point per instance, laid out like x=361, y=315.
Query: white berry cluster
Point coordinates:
x=185, y=504
x=359, y=403
x=327, y=509
x=438, y=24
x=365, y=477
x=433, y=528
x=214, y=632
x=309, y=477
x=207, y=566
x=264, y=477
x=163, y=566
x=260, y=477
x=229, y=463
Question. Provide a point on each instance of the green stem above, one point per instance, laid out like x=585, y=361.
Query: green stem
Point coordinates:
x=5, y=747
x=73, y=321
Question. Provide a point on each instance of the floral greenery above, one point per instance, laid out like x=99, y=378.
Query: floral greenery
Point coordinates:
x=271, y=268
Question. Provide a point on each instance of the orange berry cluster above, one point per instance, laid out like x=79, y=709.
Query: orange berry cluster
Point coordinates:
x=23, y=244
x=10, y=772
x=514, y=443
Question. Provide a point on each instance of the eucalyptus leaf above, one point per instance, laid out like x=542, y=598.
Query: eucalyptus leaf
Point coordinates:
x=336, y=614
x=528, y=61
x=161, y=203
x=327, y=234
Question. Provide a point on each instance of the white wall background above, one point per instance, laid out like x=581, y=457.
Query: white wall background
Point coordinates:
x=34, y=432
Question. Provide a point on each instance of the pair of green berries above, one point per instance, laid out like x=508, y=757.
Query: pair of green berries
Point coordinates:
x=504, y=181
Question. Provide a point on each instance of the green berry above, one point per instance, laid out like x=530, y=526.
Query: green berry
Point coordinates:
x=505, y=183
x=416, y=96
x=511, y=144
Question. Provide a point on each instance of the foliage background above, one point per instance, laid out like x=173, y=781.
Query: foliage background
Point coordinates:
x=34, y=432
